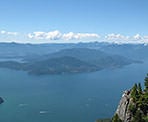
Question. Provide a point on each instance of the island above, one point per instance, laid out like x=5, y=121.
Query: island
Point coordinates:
x=1, y=100
x=75, y=60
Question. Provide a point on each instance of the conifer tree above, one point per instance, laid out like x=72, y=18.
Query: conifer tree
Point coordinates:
x=139, y=89
x=138, y=117
x=134, y=92
x=146, y=83
x=116, y=118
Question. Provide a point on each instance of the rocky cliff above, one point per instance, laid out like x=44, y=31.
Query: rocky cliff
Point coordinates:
x=133, y=106
x=122, y=109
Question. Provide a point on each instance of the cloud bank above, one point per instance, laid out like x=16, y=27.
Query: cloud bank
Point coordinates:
x=70, y=37
x=121, y=39
x=57, y=35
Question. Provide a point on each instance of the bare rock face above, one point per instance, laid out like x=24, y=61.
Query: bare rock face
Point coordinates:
x=122, y=110
x=1, y=100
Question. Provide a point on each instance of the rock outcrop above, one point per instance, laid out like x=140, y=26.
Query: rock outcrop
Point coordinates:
x=133, y=106
x=122, y=110
x=1, y=100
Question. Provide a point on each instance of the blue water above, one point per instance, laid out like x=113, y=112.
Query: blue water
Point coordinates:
x=65, y=98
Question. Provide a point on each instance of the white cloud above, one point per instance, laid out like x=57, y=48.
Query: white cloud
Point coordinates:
x=121, y=39
x=137, y=37
x=70, y=37
x=57, y=35
x=37, y=35
x=53, y=35
x=116, y=37
x=3, y=32
x=78, y=36
x=87, y=37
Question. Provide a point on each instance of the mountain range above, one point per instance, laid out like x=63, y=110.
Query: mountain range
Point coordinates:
x=13, y=50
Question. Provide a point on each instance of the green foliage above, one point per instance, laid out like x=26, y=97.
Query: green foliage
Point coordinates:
x=146, y=119
x=138, y=117
x=139, y=89
x=146, y=83
x=103, y=120
x=132, y=109
x=139, y=107
x=116, y=118
x=134, y=92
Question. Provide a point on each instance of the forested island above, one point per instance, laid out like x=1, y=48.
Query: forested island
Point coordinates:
x=75, y=60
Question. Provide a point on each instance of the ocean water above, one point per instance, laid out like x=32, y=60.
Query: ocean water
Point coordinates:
x=81, y=97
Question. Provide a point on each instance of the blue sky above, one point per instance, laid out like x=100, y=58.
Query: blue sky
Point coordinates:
x=39, y=21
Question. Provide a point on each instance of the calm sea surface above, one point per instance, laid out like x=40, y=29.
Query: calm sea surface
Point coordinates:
x=65, y=98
